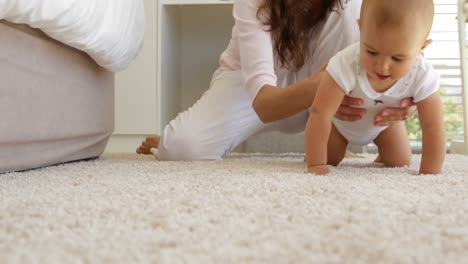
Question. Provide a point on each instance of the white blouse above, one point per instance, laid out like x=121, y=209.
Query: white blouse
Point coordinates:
x=250, y=49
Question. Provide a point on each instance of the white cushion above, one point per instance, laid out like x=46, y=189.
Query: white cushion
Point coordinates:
x=110, y=31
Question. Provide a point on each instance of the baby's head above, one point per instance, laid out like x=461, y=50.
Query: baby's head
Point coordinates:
x=393, y=34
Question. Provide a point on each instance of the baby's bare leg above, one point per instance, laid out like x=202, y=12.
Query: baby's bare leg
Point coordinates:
x=336, y=149
x=149, y=143
x=394, y=147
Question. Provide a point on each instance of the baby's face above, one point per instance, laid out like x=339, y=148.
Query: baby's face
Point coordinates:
x=389, y=52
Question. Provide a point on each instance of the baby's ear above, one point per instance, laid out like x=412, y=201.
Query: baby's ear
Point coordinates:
x=425, y=44
x=359, y=23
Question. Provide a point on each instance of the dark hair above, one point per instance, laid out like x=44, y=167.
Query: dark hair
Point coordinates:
x=291, y=23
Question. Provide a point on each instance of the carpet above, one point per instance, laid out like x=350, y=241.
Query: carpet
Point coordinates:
x=248, y=208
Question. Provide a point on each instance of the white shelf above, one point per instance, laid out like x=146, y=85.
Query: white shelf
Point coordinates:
x=195, y=2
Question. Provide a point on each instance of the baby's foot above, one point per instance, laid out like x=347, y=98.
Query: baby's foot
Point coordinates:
x=353, y=155
x=149, y=143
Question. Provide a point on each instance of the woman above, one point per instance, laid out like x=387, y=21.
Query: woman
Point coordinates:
x=267, y=78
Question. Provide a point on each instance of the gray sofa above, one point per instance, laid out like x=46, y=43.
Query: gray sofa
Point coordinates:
x=56, y=103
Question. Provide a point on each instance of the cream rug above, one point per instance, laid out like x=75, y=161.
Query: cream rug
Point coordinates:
x=245, y=209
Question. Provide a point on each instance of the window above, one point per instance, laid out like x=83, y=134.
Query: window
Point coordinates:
x=461, y=146
x=444, y=55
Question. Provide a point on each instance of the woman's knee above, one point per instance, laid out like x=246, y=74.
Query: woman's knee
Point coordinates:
x=179, y=146
x=185, y=144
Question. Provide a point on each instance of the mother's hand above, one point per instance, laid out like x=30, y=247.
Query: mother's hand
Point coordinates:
x=349, y=111
x=391, y=115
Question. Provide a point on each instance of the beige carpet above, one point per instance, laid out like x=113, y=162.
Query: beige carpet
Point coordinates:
x=246, y=209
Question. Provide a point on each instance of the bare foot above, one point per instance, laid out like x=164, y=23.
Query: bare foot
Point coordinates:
x=378, y=160
x=149, y=143
x=350, y=154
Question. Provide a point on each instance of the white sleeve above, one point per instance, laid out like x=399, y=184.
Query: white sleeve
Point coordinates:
x=255, y=47
x=427, y=82
x=342, y=68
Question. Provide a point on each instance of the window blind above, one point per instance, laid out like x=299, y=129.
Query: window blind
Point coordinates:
x=444, y=55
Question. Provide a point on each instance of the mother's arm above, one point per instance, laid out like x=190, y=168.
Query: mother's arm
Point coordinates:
x=274, y=103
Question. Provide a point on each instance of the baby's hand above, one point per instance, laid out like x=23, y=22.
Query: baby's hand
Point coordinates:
x=318, y=169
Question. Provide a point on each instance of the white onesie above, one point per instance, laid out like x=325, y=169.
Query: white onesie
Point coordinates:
x=421, y=82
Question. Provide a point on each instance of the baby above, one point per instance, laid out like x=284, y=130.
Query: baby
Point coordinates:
x=384, y=67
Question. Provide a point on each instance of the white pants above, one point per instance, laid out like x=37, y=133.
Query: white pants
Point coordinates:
x=219, y=121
